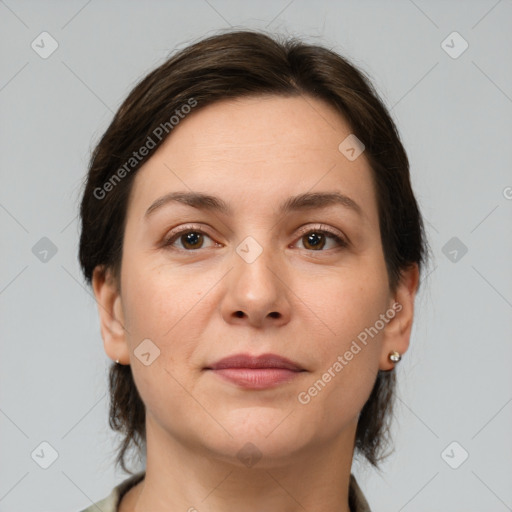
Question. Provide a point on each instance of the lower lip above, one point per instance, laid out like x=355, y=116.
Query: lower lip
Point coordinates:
x=257, y=378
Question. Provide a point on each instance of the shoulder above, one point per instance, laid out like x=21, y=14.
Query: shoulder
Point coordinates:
x=111, y=502
x=356, y=498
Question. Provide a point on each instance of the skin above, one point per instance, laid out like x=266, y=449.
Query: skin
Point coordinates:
x=299, y=301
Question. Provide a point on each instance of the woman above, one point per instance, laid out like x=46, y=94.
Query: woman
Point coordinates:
x=254, y=246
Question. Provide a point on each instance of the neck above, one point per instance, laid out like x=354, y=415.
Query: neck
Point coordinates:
x=181, y=477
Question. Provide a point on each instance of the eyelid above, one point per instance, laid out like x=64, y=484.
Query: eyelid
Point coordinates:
x=184, y=228
x=325, y=228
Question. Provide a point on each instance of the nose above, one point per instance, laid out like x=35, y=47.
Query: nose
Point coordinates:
x=256, y=290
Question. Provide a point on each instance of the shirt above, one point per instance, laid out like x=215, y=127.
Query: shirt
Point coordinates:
x=357, y=501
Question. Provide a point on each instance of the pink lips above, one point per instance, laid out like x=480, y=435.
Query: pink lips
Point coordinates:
x=256, y=372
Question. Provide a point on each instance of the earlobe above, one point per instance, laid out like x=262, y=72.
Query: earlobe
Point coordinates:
x=397, y=333
x=108, y=299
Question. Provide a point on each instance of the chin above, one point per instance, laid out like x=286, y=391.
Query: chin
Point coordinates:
x=262, y=438
x=254, y=453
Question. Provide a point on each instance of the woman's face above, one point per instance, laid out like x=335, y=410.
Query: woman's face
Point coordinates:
x=201, y=283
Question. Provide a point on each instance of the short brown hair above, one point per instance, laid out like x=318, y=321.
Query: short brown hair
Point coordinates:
x=237, y=64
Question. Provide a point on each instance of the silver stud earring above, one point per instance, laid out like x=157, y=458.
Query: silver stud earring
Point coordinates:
x=394, y=356
x=117, y=361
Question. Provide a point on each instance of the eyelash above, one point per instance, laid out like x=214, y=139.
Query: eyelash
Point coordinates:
x=320, y=229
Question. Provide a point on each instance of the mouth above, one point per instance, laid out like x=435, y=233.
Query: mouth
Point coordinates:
x=256, y=372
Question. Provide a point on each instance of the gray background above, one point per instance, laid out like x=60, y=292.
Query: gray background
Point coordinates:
x=454, y=115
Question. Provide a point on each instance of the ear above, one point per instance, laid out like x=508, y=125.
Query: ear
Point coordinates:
x=108, y=298
x=397, y=333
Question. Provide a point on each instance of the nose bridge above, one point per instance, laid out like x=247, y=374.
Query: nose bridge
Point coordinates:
x=255, y=285
x=256, y=263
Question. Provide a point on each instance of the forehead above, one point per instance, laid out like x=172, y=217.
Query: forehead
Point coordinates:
x=266, y=147
x=243, y=126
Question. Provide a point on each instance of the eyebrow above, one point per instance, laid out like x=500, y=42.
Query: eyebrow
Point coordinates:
x=306, y=201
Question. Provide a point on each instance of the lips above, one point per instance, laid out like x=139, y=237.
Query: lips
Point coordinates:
x=256, y=362
x=256, y=372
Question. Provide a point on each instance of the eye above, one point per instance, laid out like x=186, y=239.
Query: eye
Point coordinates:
x=316, y=239
x=190, y=239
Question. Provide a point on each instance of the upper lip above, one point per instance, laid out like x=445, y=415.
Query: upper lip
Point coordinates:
x=261, y=361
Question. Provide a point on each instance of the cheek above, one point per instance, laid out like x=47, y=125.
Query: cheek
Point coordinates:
x=164, y=308
x=347, y=359
x=345, y=304
x=348, y=350
x=161, y=302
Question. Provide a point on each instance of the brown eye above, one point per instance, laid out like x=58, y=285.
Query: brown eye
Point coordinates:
x=192, y=240
x=189, y=239
x=316, y=240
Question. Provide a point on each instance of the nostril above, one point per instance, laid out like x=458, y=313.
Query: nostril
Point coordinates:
x=239, y=314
